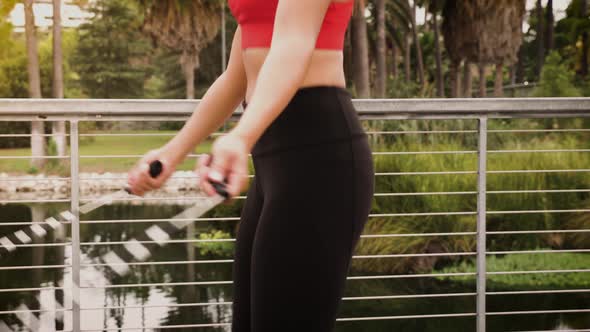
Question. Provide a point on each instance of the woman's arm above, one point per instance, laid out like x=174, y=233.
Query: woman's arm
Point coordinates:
x=218, y=103
x=222, y=98
x=297, y=25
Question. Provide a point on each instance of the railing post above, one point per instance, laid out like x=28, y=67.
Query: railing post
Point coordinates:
x=75, y=225
x=481, y=223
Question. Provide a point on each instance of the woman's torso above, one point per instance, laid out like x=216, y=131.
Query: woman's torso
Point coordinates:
x=325, y=67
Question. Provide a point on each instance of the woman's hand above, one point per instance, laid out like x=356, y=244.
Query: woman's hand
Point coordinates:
x=227, y=163
x=139, y=180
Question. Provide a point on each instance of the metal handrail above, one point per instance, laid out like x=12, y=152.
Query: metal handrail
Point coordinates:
x=101, y=109
x=78, y=110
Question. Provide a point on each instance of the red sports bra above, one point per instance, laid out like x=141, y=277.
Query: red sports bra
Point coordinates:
x=256, y=19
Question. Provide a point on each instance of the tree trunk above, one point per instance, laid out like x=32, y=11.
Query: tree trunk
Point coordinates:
x=189, y=74
x=549, y=24
x=394, y=59
x=418, y=48
x=360, y=49
x=513, y=74
x=482, y=80
x=440, y=87
x=58, y=84
x=467, y=80
x=37, y=130
x=189, y=64
x=540, y=39
x=348, y=65
x=58, y=129
x=372, y=64
x=407, y=59
x=454, y=77
x=584, y=62
x=520, y=74
x=32, y=52
x=459, y=83
x=381, y=78
x=499, y=81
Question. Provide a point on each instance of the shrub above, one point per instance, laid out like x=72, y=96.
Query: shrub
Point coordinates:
x=556, y=79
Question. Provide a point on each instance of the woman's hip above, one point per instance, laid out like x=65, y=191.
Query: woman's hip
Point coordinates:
x=315, y=116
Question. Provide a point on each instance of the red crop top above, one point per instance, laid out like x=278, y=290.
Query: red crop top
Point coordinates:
x=256, y=19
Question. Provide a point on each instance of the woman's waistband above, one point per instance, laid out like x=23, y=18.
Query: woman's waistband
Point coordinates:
x=315, y=115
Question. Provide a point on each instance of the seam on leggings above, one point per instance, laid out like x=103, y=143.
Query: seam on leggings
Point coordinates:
x=306, y=145
x=342, y=113
x=354, y=204
x=258, y=188
x=257, y=183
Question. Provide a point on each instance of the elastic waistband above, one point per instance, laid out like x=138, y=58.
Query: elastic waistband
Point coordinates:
x=314, y=115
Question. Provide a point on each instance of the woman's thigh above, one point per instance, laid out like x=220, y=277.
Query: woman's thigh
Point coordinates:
x=317, y=201
x=242, y=259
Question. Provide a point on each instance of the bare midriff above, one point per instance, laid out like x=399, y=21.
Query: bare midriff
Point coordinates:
x=325, y=68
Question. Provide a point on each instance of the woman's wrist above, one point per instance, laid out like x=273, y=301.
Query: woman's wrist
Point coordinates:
x=245, y=135
x=173, y=153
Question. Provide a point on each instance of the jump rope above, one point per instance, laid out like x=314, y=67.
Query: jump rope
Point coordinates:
x=117, y=261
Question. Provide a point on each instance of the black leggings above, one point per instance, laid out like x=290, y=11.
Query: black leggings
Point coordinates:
x=303, y=216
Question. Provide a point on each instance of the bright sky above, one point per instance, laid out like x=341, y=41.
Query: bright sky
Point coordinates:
x=559, y=6
x=71, y=15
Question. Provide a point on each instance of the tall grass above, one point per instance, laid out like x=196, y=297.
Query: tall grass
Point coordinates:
x=468, y=182
x=528, y=262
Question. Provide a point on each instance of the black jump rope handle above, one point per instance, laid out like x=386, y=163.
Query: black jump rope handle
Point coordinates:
x=156, y=168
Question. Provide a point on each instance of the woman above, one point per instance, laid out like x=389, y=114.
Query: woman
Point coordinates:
x=306, y=208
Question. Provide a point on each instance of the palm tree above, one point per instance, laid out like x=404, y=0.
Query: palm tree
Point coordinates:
x=434, y=8
x=37, y=130
x=380, y=81
x=408, y=12
x=500, y=34
x=417, y=44
x=467, y=80
x=58, y=128
x=460, y=38
x=394, y=57
x=184, y=25
x=360, y=50
x=407, y=57
x=584, y=64
x=481, y=66
x=483, y=32
x=540, y=38
x=550, y=29
x=397, y=23
x=399, y=26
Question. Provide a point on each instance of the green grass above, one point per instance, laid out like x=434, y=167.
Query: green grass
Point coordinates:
x=15, y=165
x=103, y=145
x=444, y=223
x=528, y=262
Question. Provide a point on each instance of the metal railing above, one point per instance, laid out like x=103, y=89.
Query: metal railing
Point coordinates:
x=481, y=111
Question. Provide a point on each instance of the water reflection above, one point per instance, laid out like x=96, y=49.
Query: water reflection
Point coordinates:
x=133, y=307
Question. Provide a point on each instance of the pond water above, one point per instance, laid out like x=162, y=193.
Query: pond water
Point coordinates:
x=159, y=305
